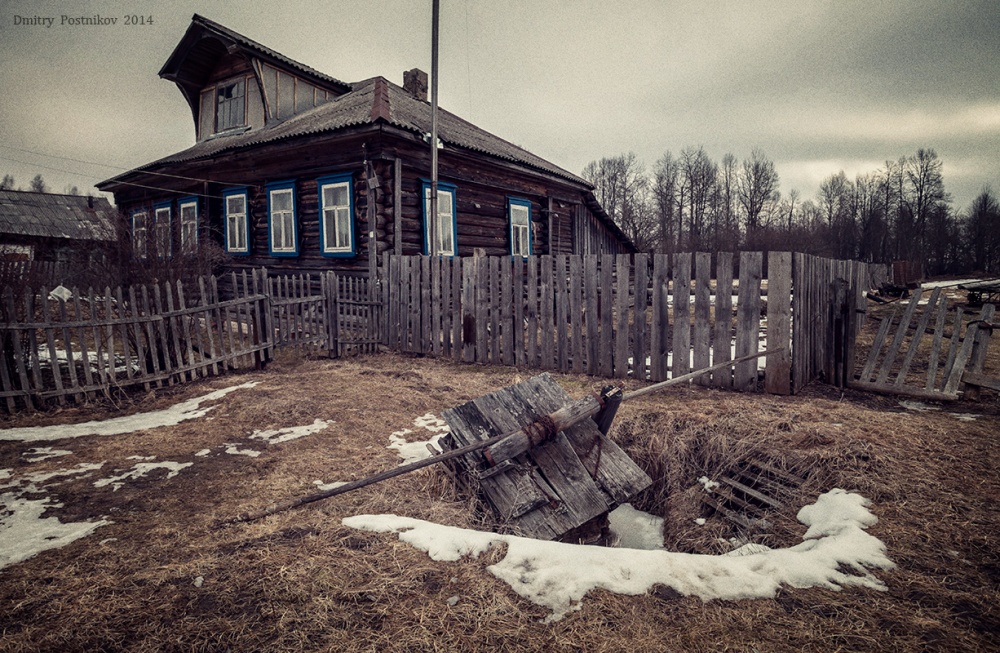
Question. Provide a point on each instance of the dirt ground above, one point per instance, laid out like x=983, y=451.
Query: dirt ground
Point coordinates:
x=162, y=578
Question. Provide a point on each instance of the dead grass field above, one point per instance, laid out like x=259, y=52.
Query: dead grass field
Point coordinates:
x=301, y=581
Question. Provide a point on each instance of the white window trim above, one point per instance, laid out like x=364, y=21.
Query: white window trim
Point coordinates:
x=142, y=252
x=347, y=248
x=289, y=240
x=157, y=228
x=449, y=222
x=516, y=205
x=188, y=247
x=241, y=220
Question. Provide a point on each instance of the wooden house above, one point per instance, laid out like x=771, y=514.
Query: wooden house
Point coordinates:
x=295, y=170
x=48, y=227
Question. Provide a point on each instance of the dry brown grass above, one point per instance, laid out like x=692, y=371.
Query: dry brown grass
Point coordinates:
x=301, y=581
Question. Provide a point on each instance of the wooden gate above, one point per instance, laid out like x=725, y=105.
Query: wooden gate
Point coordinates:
x=354, y=303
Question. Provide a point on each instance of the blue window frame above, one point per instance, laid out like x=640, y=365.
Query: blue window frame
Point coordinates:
x=519, y=216
x=281, y=219
x=336, y=215
x=163, y=229
x=140, y=240
x=235, y=203
x=447, y=225
x=187, y=210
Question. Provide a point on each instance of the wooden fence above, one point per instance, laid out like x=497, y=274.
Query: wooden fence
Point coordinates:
x=641, y=316
x=91, y=342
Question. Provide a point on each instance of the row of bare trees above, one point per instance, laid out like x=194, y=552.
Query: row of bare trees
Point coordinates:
x=689, y=202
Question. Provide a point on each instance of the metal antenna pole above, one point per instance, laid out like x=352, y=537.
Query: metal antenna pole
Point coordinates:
x=433, y=219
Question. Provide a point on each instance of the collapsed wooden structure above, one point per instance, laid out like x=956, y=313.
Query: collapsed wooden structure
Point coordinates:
x=549, y=490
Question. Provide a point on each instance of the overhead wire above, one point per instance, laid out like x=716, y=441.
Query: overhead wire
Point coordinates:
x=127, y=183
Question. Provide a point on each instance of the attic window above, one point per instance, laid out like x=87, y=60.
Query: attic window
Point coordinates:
x=230, y=109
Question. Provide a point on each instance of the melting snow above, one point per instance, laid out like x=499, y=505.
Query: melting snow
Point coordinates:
x=25, y=533
x=323, y=487
x=139, y=470
x=918, y=406
x=557, y=575
x=39, y=454
x=411, y=452
x=274, y=436
x=234, y=450
x=636, y=529
x=190, y=409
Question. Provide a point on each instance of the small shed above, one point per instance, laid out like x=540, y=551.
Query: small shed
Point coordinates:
x=51, y=227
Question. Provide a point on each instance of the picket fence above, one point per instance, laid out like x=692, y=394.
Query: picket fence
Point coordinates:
x=639, y=316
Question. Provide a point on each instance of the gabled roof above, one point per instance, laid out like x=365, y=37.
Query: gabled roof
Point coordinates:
x=183, y=63
x=47, y=215
x=370, y=102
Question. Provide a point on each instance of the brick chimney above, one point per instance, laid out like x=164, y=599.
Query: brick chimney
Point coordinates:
x=415, y=83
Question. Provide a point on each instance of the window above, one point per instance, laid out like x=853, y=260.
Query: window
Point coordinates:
x=162, y=222
x=336, y=209
x=237, y=241
x=445, y=236
x=520, y=226
x=189, y=225
x=281, y=223
x=230, y=108
x=139, y=246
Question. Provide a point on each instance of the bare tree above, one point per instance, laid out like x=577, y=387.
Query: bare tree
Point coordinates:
x=7, y=183
x=756, y=183
x=664, y=202
x=622, y=188
x=699, y=173
x=982, y=232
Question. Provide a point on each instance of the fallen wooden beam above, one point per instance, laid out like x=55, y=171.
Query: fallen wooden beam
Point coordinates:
x=892, y=389
x=981, y=381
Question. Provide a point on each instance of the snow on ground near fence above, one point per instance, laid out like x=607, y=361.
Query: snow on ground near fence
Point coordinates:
x=24, y=532
x=557, y=575
x=190, y=409
x=411, y=452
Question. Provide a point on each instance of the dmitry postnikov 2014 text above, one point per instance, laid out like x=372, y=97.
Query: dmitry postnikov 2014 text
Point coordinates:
x=49, y=21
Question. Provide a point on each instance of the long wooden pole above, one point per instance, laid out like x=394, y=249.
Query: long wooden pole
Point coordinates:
x=507, y=446
x=433, y=218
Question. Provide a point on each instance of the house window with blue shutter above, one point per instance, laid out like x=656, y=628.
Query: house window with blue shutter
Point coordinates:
x=188, y=210
x=140, y=245
x=162, y=229
x=336, y=215
x=445, y=242
x=519, y=215
x=237, y=223
x=282, y=236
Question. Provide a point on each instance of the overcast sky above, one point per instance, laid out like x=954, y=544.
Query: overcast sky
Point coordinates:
x=818, y=87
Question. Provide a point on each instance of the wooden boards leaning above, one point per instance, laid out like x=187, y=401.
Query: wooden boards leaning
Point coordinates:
x=555, y=487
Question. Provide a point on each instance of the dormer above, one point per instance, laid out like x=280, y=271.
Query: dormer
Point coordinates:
x=234, y=84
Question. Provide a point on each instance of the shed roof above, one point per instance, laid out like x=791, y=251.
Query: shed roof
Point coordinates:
x=47, y=215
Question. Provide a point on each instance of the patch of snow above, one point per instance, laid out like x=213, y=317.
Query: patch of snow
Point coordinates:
x=707, y=483
x=24, y=533
x=636, y=529
x=945, y=284
x=39, y=454
x=139, y=470
x=411, y=452
x=432, y=423
x=918, y=406
x=190, y=409
x=965, y=417
x=234, y=450
x=203, y=453
x=141, y=458
x=322, y=487
x=700, y=521
x=31, y=482
x=273, y=436
x=748, y=549
x=556, y=575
